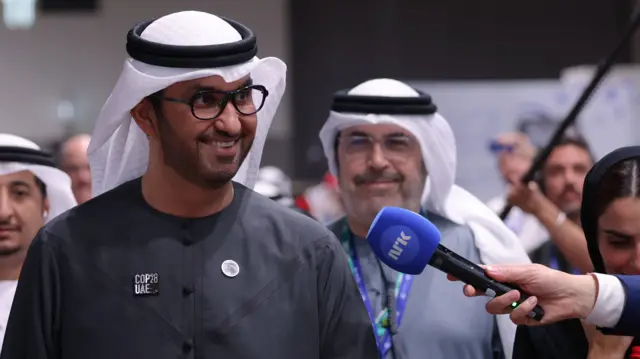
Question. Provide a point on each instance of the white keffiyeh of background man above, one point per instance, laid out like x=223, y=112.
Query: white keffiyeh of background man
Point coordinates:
x=388, y=146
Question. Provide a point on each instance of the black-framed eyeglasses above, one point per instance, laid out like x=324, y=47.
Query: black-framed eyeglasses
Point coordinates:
x=209, y=104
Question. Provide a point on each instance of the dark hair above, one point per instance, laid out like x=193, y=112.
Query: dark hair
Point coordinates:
x=577, y=141
x=622, y=180
x=156, y=102
x=41, y=187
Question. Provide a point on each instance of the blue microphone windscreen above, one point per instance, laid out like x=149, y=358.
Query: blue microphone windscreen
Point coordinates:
x=403, y=240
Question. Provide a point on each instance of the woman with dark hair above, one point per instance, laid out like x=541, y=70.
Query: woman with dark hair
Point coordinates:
x=610, y=217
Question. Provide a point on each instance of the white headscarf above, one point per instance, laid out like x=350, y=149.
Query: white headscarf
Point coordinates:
x=58, y=183
x=119, y=149
x=494, y=241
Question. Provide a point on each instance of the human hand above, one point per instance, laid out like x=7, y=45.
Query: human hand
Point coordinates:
x=561, y=295
x=527, y=197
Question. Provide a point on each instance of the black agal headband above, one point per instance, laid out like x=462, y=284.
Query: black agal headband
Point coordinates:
x=26, y=155
x=196, y=57
x=383, y=105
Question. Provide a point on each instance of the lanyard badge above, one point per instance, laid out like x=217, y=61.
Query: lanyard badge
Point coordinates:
x=379, y=321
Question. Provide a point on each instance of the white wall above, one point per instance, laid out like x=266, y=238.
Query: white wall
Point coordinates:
x=79, y=58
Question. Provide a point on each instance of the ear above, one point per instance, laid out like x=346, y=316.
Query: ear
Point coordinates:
x=144, y=116
x=45, y=208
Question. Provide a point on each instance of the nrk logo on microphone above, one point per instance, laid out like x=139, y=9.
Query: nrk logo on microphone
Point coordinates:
x=397, y=244
x=403, y=240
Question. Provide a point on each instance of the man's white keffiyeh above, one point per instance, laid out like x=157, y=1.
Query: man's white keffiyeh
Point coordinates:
x=58, y=183
x=495, y=242
x=119, y=149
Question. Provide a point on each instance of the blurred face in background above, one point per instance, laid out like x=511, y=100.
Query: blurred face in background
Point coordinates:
x=515, y=155
x=379, y=165
x=22, y=209
x=76, y=164
x=563, y=176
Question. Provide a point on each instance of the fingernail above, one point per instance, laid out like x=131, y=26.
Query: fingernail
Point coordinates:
x=532, y=300
x=491, y=269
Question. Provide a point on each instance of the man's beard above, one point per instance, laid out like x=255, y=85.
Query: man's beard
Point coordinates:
x=186, y=162
x=571, y=208
x=8, y=252
x=367, y=208
x=368, y=205
x=11, y=245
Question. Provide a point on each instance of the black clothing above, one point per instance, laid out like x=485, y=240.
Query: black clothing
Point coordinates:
x=562, y=340
x=114, y=278
x=549, y=255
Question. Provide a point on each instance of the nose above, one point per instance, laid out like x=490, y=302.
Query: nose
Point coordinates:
x=229, y=121
x=378, y=160
x=6, y=209
x=574, y=178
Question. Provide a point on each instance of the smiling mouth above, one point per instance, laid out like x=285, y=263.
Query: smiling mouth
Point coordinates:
x=224, y=144
x=378, y=183
x=226, y=149
x=220, y=144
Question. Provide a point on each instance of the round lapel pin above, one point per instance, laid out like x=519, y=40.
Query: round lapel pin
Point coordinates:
x=230, y=268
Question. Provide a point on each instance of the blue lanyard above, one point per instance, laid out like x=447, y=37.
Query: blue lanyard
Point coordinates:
x=380, y=322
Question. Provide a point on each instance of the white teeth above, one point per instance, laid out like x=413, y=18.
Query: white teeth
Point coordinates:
x=224, y=144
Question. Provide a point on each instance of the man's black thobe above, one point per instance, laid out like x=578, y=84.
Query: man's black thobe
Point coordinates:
x=114, y=278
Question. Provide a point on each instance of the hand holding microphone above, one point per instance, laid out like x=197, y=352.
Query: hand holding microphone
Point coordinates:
x=407, y=242
x=562, y=295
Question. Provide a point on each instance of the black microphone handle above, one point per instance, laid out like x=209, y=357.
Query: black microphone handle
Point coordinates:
x=470, y=273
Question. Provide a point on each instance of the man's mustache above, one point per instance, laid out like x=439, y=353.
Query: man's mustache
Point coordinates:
x=371, y=177
x=209, y=136
x=570, y=189
x=6, y=225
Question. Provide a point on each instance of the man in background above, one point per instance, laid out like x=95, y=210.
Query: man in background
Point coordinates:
x=555, y=201
x=515, y=154
x=32, y=191
x=74, y=161
x=388, y=146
